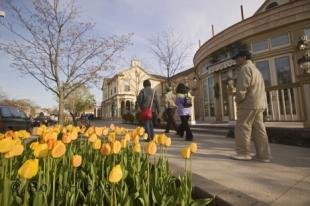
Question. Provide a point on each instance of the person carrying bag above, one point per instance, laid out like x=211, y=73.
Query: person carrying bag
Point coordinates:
x=147, y=113
x=149, y=106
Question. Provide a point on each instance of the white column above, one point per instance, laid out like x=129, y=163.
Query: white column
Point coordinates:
x=193, y=120
x=306, y=88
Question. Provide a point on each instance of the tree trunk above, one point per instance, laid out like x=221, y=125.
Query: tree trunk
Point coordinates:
x=61, y=108
x=73, y=115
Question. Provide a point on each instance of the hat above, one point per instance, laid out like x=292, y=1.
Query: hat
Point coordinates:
x=243, y=53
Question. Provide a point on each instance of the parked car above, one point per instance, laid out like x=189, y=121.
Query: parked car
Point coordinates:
x=41, y=119
x=12, y=118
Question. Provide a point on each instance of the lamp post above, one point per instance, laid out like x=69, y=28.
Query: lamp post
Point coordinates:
x=304, y=61
x=2, y=14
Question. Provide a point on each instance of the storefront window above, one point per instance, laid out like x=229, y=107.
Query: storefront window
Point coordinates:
x=280, y=40
x=263, y=67
x=209, y=108
x=282, y=66
x=260, y=46
x=307, y=33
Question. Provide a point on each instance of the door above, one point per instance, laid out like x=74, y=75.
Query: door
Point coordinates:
x=224, y=95
x=208, y=99
x=282, y=95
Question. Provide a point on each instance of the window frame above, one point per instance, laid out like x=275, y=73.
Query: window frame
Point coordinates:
x=260, y=51
x=282, y=45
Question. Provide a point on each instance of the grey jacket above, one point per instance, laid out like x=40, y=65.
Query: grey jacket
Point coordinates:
x=144, y=99
x=250, y=92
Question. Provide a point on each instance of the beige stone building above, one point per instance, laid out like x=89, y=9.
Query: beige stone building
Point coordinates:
x=119, y=93
x=278, y=35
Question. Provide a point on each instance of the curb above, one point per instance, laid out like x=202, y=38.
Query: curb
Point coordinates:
x=222, y=196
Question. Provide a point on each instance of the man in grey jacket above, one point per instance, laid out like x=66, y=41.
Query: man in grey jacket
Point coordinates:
x=144, y=100
x=251, y=103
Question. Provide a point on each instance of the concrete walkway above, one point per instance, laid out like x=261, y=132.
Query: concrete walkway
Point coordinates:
x=285, y=181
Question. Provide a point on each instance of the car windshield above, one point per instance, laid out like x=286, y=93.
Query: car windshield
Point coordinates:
x=5, y=112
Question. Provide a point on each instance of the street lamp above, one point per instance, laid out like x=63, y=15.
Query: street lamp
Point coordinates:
x=304, y=63
x=302, y=43
x=2, y=14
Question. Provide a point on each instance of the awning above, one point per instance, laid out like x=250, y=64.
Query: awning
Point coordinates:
x=220, y=66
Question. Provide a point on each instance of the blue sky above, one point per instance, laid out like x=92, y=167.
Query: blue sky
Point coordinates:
x=144, y=18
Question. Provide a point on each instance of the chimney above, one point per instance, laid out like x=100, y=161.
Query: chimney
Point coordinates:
x=242, y=16
x=212, y=30
x=199, y=43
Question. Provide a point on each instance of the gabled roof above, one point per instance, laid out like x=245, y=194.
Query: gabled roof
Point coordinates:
x=271, y=4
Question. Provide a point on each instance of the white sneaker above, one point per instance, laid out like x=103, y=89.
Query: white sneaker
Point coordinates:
x=261, y=160
x=241, y=157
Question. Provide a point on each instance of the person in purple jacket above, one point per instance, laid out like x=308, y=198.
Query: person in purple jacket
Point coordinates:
x=183, y=112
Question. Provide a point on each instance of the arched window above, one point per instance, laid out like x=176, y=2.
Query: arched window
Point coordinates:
x=128, y=105
x=123, y=110
x=272, y=5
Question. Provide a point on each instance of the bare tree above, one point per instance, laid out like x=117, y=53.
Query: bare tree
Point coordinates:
x=57, y=50
x=136, y=80
x=78, y=101
x=170, y=51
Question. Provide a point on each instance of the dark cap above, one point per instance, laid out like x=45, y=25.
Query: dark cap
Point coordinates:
x=243, y=53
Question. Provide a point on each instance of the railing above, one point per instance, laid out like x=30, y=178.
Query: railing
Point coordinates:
x=284, y=103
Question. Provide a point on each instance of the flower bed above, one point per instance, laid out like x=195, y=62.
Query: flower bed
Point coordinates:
x=94, y=166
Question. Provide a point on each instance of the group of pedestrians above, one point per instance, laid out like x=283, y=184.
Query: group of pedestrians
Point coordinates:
x=149, y=98
x=251, y=102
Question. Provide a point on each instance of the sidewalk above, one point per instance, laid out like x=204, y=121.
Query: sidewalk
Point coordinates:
x=285, y=181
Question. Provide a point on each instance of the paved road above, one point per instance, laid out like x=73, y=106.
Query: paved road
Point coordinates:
x=285, y=181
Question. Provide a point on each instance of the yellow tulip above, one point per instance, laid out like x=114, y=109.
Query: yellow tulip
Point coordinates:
x=59, y=149
x=116, y=147
x=23, y=134
x=41, y=150
x=105, y=149
x=105, y=131
x=97, y=144
x=186, y=152
x=118, y=131
x=73, y=135
x=69, y=127
x=111, y=136
x=38, y=131
x=141, y=131
x=29, y=169
x=1, y=136
x=76, y=160
x=156, y=138
x=150, y=148
x=116, y=174
x=50, y=143
x=162, y=139
x=93, y=137
x=127, y=136
x=33, y=145
x=16, y=151
x=145, y=136
x=193, y=147
x=98, y=131
x=66, y=138
x=49, y=135
x=123, y=143
x=136, y=139
x=9, y=134
x=6, y=145
x=168, y=142
x=137, y=148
